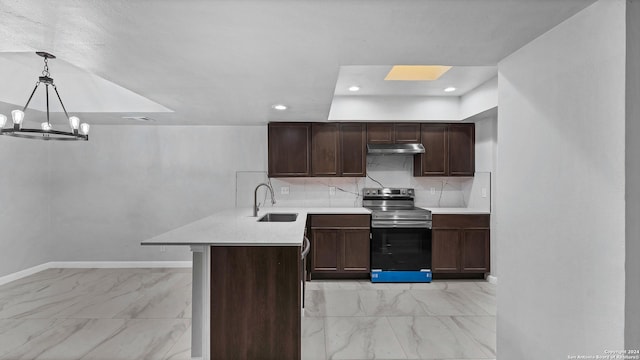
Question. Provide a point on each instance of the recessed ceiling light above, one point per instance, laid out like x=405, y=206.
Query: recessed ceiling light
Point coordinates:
x=279, y=107
x=416, y=72
x=354, y=88
x=450, y=89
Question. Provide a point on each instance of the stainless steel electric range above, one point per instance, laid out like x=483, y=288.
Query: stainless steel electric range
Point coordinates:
x=400, y=236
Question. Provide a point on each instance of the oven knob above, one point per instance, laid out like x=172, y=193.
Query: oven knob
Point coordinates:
x=403, y=191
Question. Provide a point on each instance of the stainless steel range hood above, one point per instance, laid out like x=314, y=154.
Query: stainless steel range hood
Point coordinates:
x=395, y=149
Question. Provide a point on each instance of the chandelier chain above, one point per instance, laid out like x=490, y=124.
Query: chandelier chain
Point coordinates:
x=45, y=71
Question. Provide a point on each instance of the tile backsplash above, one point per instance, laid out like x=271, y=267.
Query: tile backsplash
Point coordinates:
x=388, y=171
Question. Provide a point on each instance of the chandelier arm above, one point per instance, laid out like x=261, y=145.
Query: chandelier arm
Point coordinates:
x=31, y=97
x=45, y=135
x=47, y=85
x=61, y=103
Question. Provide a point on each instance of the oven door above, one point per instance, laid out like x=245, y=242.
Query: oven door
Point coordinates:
x=400, y=248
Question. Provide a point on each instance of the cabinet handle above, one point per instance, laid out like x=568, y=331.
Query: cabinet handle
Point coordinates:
x=307, y=247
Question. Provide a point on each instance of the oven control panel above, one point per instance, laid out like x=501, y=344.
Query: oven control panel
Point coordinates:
x=388, y=192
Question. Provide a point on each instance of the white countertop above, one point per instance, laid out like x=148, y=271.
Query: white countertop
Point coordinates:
x=453, y=211
x=237, y=227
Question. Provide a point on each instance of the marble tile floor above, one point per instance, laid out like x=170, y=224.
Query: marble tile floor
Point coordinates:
x=98, y=314
x=360, y=320
x=68, y=314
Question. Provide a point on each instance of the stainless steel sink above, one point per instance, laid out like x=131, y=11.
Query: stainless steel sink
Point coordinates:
x=279, y=217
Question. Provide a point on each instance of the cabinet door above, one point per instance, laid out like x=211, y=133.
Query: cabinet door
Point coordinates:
x=325, y=149
x=353, y=153
x=434, y=162
x=324, y=250
x=407, y=133
x=355, y=250
x=475, y=250
x=462, y=150
x=445, y=250
x=380, y=133
x=289, y=145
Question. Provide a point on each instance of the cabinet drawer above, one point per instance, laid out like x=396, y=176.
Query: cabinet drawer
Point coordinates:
x=460, y=221
x=340, y=221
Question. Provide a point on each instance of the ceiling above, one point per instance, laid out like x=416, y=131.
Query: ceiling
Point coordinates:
x=228, y=62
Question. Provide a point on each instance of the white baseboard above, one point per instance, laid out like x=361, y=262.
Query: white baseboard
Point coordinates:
x=93, y=264
x=23, y=273
x=492, y=279
x=118, y=264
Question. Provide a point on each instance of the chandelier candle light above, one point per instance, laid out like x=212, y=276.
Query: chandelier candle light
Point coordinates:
x=46, y=131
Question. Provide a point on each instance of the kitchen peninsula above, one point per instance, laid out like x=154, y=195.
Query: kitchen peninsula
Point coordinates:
x=246, y=282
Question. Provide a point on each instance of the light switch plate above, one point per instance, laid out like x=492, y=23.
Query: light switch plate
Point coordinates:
x=284, y=190
x=484, y=192
x=433, y=191
x=332, y=190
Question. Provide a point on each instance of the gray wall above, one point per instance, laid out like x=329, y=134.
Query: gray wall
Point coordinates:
x=486, y=152
x=24, y=204
x=632, y=309
x=96, y=200
x=560, y=202
x=130, y=183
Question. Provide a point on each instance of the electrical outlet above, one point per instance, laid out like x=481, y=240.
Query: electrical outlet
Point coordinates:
x=484, y=192
x=332, y=190
x=284, y=190
x=433, y=191
x=163, y=248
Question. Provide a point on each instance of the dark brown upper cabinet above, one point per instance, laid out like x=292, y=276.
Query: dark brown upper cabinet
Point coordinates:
x=379, y=133
x=449, y=150
x=406, y=133
x=325, y=149
x=338, y=149
x=353, y=149
x=393, y=133
x=462, y=143
x=289, y=149
x=435, y=160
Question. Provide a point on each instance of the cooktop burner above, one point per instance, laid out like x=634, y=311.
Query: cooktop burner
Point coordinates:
x=393, y=204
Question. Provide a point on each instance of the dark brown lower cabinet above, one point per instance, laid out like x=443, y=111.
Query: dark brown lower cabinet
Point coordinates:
x=356, y=250
x=445, y=247
x=255, y=302
x=324, y=249
x=460, y=244
x=475, y=250
x=339, y=246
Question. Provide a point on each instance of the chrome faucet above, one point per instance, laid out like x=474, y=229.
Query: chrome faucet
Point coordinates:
x=255, y=198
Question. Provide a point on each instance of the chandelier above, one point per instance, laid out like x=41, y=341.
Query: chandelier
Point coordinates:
x=46, y=131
